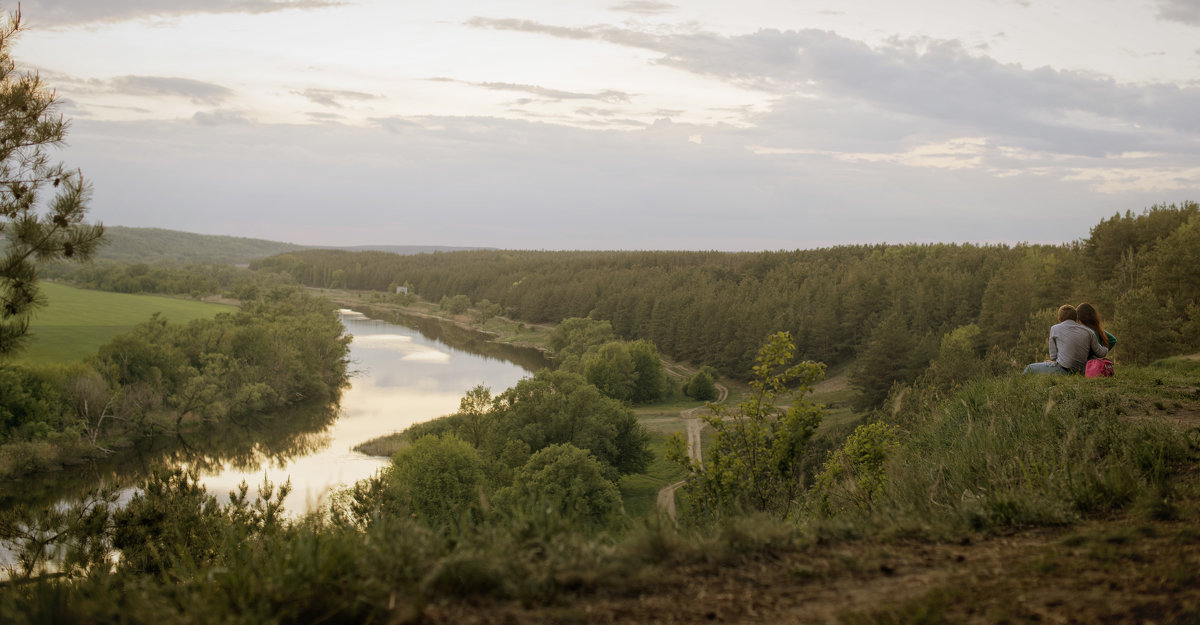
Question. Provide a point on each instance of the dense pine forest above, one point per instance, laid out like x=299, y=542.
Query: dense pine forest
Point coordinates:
x=882, y=309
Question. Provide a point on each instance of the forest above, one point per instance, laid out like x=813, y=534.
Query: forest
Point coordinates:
x=881, y=310
x=510, y=505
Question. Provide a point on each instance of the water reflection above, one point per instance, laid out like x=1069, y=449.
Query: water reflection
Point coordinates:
x=401, y=377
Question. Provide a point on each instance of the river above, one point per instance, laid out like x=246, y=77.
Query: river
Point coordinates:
x=400, y=376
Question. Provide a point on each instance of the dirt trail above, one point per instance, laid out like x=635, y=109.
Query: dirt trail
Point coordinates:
x=691, y=418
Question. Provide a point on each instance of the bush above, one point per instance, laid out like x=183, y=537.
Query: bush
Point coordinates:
x=567, y=482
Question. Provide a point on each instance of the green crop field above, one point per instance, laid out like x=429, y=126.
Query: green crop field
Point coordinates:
x=77, y=322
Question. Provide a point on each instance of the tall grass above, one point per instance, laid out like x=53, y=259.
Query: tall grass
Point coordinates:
x=1025, y=450
x=999, y=453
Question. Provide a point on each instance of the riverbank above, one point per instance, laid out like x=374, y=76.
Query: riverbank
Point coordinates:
x=500, y=329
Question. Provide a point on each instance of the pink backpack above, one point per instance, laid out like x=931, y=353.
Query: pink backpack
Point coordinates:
x=1098, y=368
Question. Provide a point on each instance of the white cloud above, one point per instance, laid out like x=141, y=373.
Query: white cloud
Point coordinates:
x=333, y=97
x=644, y=7
x=608, y=95
x=63, y=12
x=1185, y=11
x=197, y=91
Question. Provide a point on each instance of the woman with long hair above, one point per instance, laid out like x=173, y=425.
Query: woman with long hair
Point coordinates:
x=1090, y=318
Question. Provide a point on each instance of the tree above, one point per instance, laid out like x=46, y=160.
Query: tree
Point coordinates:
x=756, y=458
x=34, y=231
x=574, y=336
x=569, y=482
x=473, y=411
x=439, y=480
x=703, y=385
x=561, y=407
x=611, y=369
x=651, y=375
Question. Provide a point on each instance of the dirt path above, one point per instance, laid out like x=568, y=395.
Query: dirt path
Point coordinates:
x=691, y=418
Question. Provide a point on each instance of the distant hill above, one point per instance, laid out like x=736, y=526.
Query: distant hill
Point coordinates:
x=126, y=245
x=129, y=245
x=403, y=249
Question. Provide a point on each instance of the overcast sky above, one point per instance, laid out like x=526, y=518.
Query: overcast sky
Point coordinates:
x=625, y=124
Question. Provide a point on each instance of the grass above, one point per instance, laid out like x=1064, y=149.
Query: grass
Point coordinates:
x=639, y=492
x=1095, y=511
x=78, y=321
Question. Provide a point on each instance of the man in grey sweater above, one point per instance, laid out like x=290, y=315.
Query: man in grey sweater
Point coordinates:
x=1071, y=345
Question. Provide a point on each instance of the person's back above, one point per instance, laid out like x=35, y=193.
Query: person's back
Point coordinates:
x=1071, y=345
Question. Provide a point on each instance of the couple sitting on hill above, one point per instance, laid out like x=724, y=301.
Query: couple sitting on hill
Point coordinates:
x=1075, y=339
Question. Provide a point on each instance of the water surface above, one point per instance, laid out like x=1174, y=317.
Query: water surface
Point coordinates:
x=400, y=377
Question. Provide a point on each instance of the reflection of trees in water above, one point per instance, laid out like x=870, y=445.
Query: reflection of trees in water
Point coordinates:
x=466, y=339
x=245, y=444
x=39, y=516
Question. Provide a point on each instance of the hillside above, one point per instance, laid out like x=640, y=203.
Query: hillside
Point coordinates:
x=129, y=245
x=126, y=244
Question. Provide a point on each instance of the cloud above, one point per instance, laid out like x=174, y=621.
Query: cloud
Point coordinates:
x=607, y=95
x=917, y=80
x=325, y=117
x=197, y=91
x=644, y=7
x=1186, y=11
x=503, y=183
x=221, y=118
x=332, y=98
x=66, y=12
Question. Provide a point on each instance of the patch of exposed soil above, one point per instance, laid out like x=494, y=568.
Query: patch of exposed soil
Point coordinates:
x=1103, y=572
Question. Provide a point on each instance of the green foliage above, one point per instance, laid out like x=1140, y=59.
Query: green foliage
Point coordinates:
x=958, y=359
x=629, y=372
x=855, y=473
x=173, y=522
x=569, y=482
x=702, y=386
x=891, y=355
x=575, y=336
x=67, y=539
x=1148, y=328
x=1115, y=240
x=1032, y=344
x=1020, y=450
x=554, y=407
x=474, y=423
x=438, y=480
x=31, y=404
x=756, y=456
x=650, y=376
x=35, y=232
x=456, y=305
x=284, y=350
x=886, y=307
x=486, y=309
x=610, y=368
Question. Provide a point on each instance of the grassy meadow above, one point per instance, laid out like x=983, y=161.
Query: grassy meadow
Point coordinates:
x=77, y=321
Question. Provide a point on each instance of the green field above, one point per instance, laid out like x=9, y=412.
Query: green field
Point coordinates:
x=77, y=322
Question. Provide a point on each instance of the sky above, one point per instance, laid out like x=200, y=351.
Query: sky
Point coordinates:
x=624, y=124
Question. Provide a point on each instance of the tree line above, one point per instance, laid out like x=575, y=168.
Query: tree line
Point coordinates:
x=884, y=308
x=285, y=348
